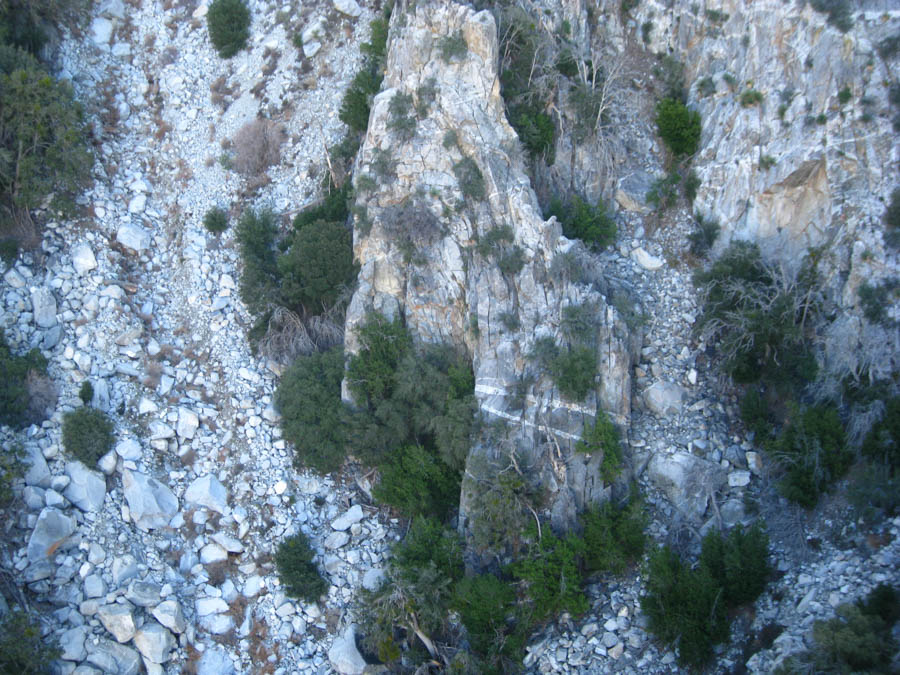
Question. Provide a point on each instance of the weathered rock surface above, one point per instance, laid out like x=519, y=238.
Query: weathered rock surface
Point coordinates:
x=154, y=642
x=51, y=533
x=687, y=481
x=344, y=656
x=118, y=620
x=151, y=503
x=209, y=492
x=86, y=488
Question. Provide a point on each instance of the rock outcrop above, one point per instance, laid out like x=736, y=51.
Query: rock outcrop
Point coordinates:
x=417, y=252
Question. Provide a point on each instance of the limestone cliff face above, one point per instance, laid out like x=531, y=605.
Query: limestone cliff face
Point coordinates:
x=416, y=248
x=798, y=169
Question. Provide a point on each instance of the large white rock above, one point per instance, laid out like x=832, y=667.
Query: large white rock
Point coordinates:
x=38, y=473
x=151, y=503
x=133, y=236
x=664, y=398
x=348, y=518
x=344, y=656
x=215, y=661
x=51, y=533
x=111, y=657
x=348, y=7
x=129, y=448
x=170, y=615
x=43, y=305
x=647, y=261
x=687, y=481
x=72, y=644
x=118, y=620
x=86, y=488
x=101, y=31
x=154, y=642
x=187, y=423
x=212, y=553
x=207, y=606
x=137, y=203
x=83, y=259
x=336, y=540
x=209, y=492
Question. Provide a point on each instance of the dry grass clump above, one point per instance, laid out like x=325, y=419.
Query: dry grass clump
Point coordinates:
x=257, y=146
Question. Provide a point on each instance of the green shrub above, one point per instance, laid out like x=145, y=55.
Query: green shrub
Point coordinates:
x=357, y=102
x=684, y=605
x=409, y=397
x=758, y=316
x=663, y=192
x=484, y=602
x=892, y=220
x=43, y=140
x=416, y=482
x=549, y=570
x=370, y=374
x=855, y=641
x=613, y=537
x=716, y=16
x=646, y=32
x=603, y=438
x=839, y=12
x=587, y=108
x=813, y=448
x=406, y=615
x=216, y=220
x=526, y=53
x=9, y=250
x=678, y=126
x=882, y=443
x=453, y=46
x=87, y=435
x=309, y=400
x=755, y=414
x=844, y=95
x=491, y=242
x=572, y=369
x=297, y=571
x=691, y=185
x=579, y=323
x=86, y=392
x=22, y=647
x=573, y=372
x=739, y=563
x=318, y=268
x=470, y=179
x=706, y=87
x=12, y=467
x=511, y=261
x=536, y=130
x=593, y=224
x=875, y=493
x=706, y=231
x=876, y=300
x=17, y=409
x=750, y=97
x=260, y=281
x=333, y=208
x=402, y=121
x=766, y=162
x=228, y=22
x=428, y=542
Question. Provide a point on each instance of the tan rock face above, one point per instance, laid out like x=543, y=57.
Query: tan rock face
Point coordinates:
x=418, y=257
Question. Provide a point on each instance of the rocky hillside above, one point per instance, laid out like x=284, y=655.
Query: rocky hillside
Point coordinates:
x=456, y=244
x=160, y=557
